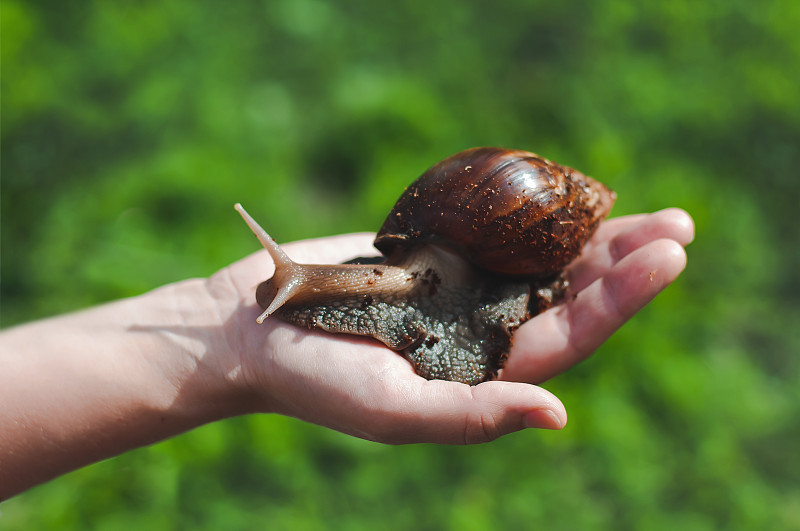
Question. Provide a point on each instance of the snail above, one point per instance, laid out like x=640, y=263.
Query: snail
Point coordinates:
x=472, y=249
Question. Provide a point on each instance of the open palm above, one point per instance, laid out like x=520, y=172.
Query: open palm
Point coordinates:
x=358, y=386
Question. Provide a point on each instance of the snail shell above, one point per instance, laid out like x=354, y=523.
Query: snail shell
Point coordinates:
x=473, y=248
x=508, y=211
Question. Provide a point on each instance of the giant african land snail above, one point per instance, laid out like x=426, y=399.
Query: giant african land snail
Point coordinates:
x=473, y=248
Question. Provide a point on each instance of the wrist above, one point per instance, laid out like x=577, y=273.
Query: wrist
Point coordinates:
x=89, y=385
x=193, y=331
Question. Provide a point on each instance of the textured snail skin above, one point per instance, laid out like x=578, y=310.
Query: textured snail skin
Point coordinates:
x=474, y=247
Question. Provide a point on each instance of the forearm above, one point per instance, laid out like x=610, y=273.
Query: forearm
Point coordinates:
x=79, y=388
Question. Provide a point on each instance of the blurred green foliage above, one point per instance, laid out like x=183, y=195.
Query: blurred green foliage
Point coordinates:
x=129, y=129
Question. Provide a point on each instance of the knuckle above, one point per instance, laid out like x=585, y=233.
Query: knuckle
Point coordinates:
x=481, y=428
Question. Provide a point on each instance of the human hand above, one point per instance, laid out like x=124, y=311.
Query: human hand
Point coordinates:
x=360, y=387
x=138, y=370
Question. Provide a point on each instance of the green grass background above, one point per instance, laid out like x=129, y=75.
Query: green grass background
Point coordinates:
x=129, y=129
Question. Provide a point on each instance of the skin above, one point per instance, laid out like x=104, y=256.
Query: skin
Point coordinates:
x=83, y=387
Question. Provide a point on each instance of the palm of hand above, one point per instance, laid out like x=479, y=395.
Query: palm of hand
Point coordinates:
x=360, y=387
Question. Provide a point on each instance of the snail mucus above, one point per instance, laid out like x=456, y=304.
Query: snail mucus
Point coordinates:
x=472, y=249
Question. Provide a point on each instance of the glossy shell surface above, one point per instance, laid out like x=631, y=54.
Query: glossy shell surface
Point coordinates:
x=508, y=211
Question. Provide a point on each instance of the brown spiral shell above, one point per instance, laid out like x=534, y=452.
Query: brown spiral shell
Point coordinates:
x=508, y=211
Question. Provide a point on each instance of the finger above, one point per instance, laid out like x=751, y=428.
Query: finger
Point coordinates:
x=453, y=413
x=624, y=237
x=609, y=228
x=358, y=387
x=561, y=337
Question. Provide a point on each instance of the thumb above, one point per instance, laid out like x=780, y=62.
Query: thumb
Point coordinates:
x=454, y=413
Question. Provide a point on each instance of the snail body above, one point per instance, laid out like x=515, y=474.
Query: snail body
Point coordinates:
x=473, y=248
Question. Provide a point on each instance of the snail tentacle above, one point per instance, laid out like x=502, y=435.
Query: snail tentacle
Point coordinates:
x=288, y=273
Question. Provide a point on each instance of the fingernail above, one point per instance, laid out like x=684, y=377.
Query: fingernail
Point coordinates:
x=543, y=419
